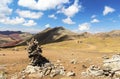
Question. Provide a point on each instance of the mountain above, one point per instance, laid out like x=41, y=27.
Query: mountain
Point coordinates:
x=114, y=33
x=49, y=35
x=10, y=32
x=57, y=34
x=12, y=38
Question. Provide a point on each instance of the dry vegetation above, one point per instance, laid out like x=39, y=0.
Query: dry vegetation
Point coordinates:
x=89, y=51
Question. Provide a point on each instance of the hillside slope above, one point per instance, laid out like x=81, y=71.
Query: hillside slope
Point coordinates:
x=114, y=33
x=12, y=38
x=56, y=34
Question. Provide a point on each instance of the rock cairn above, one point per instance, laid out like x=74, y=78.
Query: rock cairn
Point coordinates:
x=39, y=66
x=34, y=53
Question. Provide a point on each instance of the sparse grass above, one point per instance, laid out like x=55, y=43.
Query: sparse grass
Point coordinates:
x=86, y=53
x=90, y=44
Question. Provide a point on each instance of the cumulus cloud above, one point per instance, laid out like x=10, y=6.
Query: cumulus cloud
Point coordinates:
x=30, y=23
x=71, y=10
x=52, y=16
x=107, y=10
x=68, y=21
x=25, y=29
x=4, y=9
x=13, y=21
x=84, y=26
x=95, y=21
x=17, y=21
x=29, y=14
x=47, y=25
x=41, y=4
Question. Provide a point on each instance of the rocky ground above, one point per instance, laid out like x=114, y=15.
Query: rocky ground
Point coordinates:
x=68, y=60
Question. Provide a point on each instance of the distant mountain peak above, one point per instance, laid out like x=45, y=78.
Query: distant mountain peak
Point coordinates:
x=12, y=38
x=10, y=32
x=60, y=27
x=56, y=34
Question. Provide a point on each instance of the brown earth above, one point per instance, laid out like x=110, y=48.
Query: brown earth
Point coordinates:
x=87, y=51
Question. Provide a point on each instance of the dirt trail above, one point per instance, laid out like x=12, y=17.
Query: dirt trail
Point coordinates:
x=91, y=47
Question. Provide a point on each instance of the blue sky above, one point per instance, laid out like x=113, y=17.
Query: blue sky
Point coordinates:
x=76, y=15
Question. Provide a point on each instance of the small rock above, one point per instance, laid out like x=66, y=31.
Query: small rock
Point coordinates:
x=95, y=71
x=117, y=74
x=54, y=73
x=2, y=75
x=71, y=73
x=58, y=61
x=105, y=57
x=47, y=72
x=84, y=66
x=48, y=65
x=62, y=72
x=44, y=71
x=73, y=61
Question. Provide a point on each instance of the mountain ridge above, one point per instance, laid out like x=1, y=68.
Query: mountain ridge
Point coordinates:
x=51, y=35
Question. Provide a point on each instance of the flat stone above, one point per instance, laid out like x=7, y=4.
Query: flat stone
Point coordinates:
x=54, y=73
x=71, y=73
x=73, y=61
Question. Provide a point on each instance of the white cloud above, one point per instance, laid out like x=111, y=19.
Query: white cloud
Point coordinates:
x=13, y=21
x=71, y=10
x=68, y=21
x=29, y=23
x=95, y=21
x=41, y=4
x=4, y=9
x=29, y=14
x=93, y=16
x=52, y=16
x=17, y=20
x=107, y=10
x=47, y=25
x=84, y=26
x=23, y=29
x=31, y=30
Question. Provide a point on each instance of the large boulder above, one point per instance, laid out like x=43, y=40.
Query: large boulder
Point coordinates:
x=113, y=62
